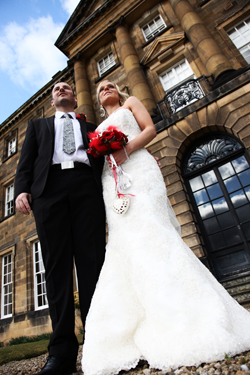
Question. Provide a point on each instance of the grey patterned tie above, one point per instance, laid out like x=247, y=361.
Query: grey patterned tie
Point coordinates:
x=68, y=134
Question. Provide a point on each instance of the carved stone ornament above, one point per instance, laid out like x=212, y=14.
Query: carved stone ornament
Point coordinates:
x=210, y=151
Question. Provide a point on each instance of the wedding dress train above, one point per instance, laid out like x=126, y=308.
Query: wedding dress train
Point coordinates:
x=154, y=299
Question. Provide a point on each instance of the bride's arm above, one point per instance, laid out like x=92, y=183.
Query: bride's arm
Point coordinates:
x=146, y=124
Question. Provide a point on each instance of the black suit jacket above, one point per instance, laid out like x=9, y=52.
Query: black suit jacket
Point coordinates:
x=37, y=152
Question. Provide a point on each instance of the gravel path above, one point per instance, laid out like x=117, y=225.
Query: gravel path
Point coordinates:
x=238, y=365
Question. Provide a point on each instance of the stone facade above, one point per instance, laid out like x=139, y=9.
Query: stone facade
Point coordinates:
x=195, y=31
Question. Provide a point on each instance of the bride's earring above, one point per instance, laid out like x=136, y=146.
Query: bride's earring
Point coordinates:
x=120, y=102
x=102, y=111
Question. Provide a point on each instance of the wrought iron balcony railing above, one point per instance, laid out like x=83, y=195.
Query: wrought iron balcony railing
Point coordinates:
x=183, y=95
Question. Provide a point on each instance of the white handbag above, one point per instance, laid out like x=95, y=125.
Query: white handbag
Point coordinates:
x=121, y=204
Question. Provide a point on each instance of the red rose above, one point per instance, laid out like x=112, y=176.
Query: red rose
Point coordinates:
x=116, y=145
x=107, y=142
x=82, y=116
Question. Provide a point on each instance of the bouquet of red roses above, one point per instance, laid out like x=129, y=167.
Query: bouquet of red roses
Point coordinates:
x=107, y=142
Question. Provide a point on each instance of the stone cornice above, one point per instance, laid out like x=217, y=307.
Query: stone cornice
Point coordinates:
x=66, y=36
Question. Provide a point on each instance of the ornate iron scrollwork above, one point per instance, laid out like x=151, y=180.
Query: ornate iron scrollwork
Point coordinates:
x=184, y=95
x=209, y=151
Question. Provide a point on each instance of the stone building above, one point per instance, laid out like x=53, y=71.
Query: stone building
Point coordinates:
x=188, y=62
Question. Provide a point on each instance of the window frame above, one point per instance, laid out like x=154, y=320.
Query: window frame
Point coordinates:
x=8, y=201
x=10, y=150
x=236, y=29
x=3, y=294
x=214, y=165
x=173, y=68
x=107, y=66
x=156, y=31
x=37, y=251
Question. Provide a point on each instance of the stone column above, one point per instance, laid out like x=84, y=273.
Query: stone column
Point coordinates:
x=207, y=48
x=136, y=78
x=83, y=94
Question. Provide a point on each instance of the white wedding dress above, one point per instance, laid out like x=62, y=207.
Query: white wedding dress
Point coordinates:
x=154, y=299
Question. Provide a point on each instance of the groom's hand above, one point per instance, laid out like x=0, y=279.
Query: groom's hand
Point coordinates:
x=23, y=202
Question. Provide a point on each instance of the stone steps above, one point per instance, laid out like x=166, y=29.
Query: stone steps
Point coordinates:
x=239, y=289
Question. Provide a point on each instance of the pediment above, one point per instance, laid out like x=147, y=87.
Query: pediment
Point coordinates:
x=161, y=46
x=85, y=12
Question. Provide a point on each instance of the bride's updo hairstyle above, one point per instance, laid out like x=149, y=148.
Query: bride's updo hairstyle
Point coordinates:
x=123, y=96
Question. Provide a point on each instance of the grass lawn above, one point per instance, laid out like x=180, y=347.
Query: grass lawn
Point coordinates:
x=24, y=351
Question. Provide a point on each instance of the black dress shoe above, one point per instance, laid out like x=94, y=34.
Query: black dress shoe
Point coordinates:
x=55, y=366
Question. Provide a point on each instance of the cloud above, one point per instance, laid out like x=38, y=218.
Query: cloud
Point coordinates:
x=69, y=5
x=28, y=55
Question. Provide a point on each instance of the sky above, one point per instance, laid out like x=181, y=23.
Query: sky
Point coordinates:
x=28, y=56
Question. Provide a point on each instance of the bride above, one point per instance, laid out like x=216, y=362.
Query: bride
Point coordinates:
x=154, y=299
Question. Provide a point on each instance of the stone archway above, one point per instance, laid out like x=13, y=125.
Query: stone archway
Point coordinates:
x=231, y=114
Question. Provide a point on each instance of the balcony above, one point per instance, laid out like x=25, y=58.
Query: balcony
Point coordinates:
x=183, y=95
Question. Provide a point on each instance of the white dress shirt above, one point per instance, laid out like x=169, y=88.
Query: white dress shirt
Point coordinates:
x=59, y=156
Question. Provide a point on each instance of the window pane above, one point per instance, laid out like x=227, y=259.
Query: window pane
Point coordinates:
x=211, y=225
x=177, y=74
x=245, y=51
x=240, y=36
x=39, y=277
x=247, y=191
x=232, y=236
x=246, y=230
x=106, y=63
x=220, y=205
x=226, y=220
x=214, y=191
x=196, y=183
x=226, y=170
x=238, y=198
x=206, y=211
x=240, y=164
x=201, y=196
x=153, y=27
x=7, y=285
x=217, y=241
x=209, y=178
x=232, y=184
x=243, y=213
x=245, y=177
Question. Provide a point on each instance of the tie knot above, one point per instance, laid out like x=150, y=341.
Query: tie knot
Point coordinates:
x=66, y=115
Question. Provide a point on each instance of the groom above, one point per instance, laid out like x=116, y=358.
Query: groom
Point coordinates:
x=63, y=188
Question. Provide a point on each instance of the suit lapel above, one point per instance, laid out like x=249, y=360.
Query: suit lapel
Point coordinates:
x=84, y=131
x=50, y=125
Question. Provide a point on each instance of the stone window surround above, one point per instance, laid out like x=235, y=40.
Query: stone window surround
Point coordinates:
x=110, y=48
x=147, y=17
x=159, y=28
x=225, y=24
x=30, y=244
x=9, y=204
x=173, y=67
x=35, y=277
x=108, y=66
x=7, y=140
x=235, y=27
x=3, y=253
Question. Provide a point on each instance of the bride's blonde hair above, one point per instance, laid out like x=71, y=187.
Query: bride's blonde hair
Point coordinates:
x=122, y=95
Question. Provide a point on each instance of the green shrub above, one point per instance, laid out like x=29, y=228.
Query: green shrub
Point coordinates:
x=25, y=339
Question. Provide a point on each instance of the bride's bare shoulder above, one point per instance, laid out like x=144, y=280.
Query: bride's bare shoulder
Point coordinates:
x=131, y=102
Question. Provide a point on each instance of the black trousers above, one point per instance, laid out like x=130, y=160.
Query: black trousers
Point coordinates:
x=70, y=220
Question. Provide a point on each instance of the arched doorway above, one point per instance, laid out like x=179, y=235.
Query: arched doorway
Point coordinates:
x=217, y=175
